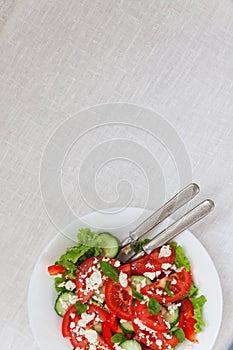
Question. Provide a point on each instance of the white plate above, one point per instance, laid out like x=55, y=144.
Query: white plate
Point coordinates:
x=46, y=324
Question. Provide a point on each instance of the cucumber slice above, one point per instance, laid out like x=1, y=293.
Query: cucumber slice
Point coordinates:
x=98, y=327
x=139, y=282
x=127, y=327
x=63, y=302
x=109, y=243
x=131, y=345
x=172, y=318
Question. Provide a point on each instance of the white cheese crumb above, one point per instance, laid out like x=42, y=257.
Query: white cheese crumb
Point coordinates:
x=166, y=266
x=159, y=343
x=150, y=275
x=92, y=347
x=165, y=251
x=123, y=279
x=91, y=336
x=85, y=319
x=69, y=285
x=117, y=263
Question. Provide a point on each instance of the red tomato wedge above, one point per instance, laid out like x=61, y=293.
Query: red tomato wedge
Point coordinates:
x=126, y=268
x=71, y=327
x=114, y=324
x=186, y=312
x=98, y=311
x=152, y=262
x=54, y=270
x=155, y=322
x=90, y=278
x=178, y=283
x=107, y=334
x=67, y=319
x=154, y=340
x=119, y=299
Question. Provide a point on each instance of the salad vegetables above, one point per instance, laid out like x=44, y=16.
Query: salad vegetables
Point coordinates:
x=150, y=303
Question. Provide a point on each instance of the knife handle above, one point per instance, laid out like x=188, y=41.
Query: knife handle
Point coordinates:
x=193, y=216
x=180, y=199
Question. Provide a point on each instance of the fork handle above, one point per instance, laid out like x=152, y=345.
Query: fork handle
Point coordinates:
x=180, y=199
x=194, y=215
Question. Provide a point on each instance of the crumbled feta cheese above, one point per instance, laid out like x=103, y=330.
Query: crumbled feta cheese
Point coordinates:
x=117, y=347
x=149, y=265
x=150, y=275
x=159, y=343
x=159, y=291
x=165, y=251
x=69, y=285
x=166, y=266
x=123, y=279
x=72, y=299
x=174, y=281
x=117, y=263
x=94, y=281
x=91, y=335
x=72, y=325
x=122, y=321
x=85, y=319
x=92, y=347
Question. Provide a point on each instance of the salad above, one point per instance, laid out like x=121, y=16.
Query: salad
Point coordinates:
x=149, y=303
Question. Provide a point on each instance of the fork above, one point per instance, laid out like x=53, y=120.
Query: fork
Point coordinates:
x=127, y=252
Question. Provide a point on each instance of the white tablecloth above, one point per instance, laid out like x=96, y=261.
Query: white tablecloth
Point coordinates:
x=60, y=57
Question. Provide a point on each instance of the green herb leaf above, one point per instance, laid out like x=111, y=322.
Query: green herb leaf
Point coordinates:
x=118, y=338
x=179, y=333
x=109, y=270
x=137, y=247
x=180, y=257
x=198, y=304
x=167, y=289
x=137, y=295
x=80, y=308
x=153, y=306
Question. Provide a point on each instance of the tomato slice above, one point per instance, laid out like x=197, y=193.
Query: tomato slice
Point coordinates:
x=155, y=322
x=126, y=268
x=153, y=339
x=99, y=311
x=90, y=277
x=107, y=334
x=67, y=319
x=152, y=262
x=186, y=311
x=54, y=270
x=81, y=342
x=119, y=299
x=114, y=324
x=179, y=284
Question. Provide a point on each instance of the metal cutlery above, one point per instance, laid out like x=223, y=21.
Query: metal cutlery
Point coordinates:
x=127, y=252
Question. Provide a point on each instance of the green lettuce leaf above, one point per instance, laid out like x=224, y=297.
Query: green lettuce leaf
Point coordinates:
x=180, y=257
x=88, y=246
x=193, y=291
x=198, y=304
x=57, y=282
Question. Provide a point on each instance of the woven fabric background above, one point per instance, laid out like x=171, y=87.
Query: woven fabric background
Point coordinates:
x=58, y=57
